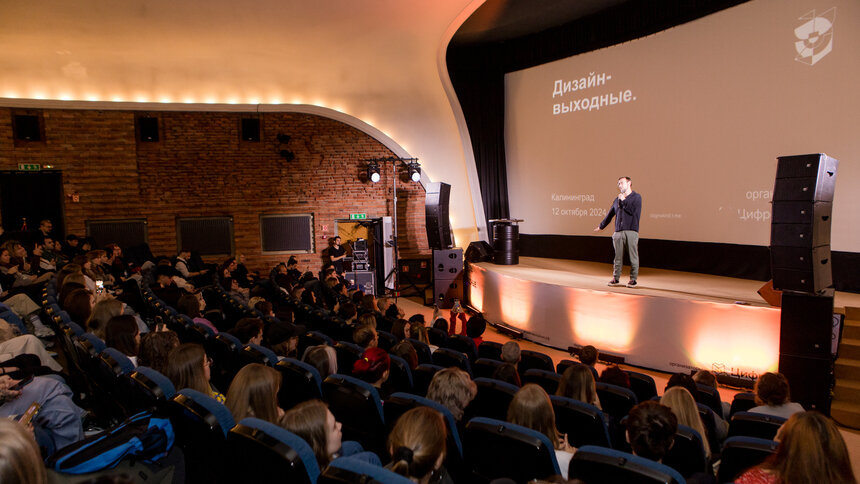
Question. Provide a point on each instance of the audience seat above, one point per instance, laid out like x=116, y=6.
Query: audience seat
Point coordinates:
x=422, y=376
x=740, y=453
x=707, y=416
x=260, y=450
x=548, y=380
x=687, y=455
x=534, y=359
x=492, y=399
x=642, y=385
x=107, y=369
x=755, y=425
x=490, y=350
x=742, y=403
x=495, y=449
x=485, y=367
x=422, y=349
x=348, y=470
x=583, y=423
x=565, y=364
x=224, y=350
x=615, y=400
x=446, y=358
x=347, y=354
x=710, y=396
x=145, y=389
x=201, y=425
x=598, y=465
x=357, y=406
x=463, y=344
x=299, y=382
x=386, y=340
x=252, y=353
x=400, y=375
x=312, y=338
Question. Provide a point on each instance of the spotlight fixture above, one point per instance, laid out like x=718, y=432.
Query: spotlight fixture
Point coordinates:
x=373, y=172
x=414, y=171
x=284, y=138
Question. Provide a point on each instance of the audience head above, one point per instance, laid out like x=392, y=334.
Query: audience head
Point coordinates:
x=577, y=382
x=366, y=319
x=392, y=311
x=254, y=393
x=123, y=334
x=365, y=336
x=188, y=367
x=705, y=377
x=20, y=459
x=683, y=380
x=532, y=408
x=453, y=388
x=511, y=352
x=419, y=332
x=400, y=329
x=588, y=355
x=79, y=305
x=373, y=366
x=771, y=389
x=316, y=425
x=441, y=323
x=614, y=375
x=101, y=314
x=189, y=305
x=323, y=358
x=811, y=449
x=281, y=338
x=155, y=347
x=684, y=407
x=475, y=326
x=382, y=304
x=405, y=350
x=507, y=373
x=417, y=443
x=347, y=311
x=64, y=272
x=651, y=430
x=249, y=330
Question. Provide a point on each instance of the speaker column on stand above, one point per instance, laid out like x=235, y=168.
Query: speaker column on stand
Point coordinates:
x=448, y=276
x=506, y=241
x=800, y=264
x=437, y=223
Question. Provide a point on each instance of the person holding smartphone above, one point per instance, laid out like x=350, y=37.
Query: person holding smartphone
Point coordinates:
x=59, y=420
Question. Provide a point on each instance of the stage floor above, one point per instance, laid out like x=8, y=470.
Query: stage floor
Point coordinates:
x=652, y=282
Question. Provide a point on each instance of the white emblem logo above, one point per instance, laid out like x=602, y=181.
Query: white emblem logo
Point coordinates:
x=815, y=36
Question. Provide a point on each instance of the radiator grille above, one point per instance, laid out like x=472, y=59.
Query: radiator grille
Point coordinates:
x=126, y=233
x=287, y=233
x=208, y=235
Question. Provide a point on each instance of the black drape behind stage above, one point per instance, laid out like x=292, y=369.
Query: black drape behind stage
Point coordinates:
x=477, y=73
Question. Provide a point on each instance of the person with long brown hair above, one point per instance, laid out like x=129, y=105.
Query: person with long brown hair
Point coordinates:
x=811, y=450
x=189, y=367
x=577, y=382
x=102, y=312
x=79, y=305
x=314, y=422
x=254, y=393
x=532, y=408
x=155, y=348
x=417, y=444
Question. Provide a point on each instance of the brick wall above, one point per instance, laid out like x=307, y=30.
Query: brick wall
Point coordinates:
x=201, y=167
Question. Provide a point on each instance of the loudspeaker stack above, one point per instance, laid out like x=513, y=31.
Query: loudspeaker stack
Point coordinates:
x=448, y=276
x=437, y=223
x=800, y=263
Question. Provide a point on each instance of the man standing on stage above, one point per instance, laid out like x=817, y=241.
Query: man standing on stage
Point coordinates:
x=626, y=208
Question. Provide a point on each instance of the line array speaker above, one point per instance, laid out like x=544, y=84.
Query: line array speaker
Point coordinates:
x=436, y=215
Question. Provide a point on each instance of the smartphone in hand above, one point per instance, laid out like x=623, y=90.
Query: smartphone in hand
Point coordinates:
x=30, y=414
x=21, y=384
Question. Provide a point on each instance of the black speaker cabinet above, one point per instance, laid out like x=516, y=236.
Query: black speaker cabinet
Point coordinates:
x=805, y=178
x=810, y=381
x=479, y=251
x=415, y=271
x=806, y=326
x=365, y=278
x=446, y=290
x=436, y=215
x=250, y=129
x=447, y=264
x=148, y=129
x=27, y=127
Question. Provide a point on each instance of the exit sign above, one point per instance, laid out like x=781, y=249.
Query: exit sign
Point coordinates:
x=357, y=216
x=29, y=166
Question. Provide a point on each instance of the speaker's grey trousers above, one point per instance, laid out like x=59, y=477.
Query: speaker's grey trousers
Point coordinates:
x=629, y=238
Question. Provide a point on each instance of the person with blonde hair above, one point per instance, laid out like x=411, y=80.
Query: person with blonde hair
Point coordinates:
x=103, y=311
x=314, y=422
x=20, y=460
x=577, y=383
x=532, y=408
x=254, y=393
x=189, y=367
x=453, y=388
x=682, y=404
x=417, y=444
x=811, y=450
x=323, y=358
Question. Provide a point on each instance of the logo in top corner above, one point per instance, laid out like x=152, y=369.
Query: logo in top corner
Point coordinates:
x=814, y=36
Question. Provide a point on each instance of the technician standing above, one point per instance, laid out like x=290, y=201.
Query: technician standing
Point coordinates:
x=626, y=209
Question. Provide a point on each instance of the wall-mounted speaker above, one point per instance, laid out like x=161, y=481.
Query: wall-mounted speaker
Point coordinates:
x=250, y=129
x=436, y=215
x=147, y=127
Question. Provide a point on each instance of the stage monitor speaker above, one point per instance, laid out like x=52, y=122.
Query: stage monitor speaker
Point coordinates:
x=414, y=271
x=27, y=127
x=365, y=278
x=479, y=251
x=447, y=264
x=250, y=129
x=148, y=129
x=810, y=379
x=446, y=290
x=807, y=326
x=770, y=295
x=437, y=222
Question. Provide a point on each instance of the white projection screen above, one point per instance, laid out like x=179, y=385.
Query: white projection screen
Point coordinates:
x=696, y=116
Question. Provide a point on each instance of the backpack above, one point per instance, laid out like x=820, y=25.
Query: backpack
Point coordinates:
x=144, y=436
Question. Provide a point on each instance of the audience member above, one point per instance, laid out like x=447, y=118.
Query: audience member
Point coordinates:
x=12, y=351
x=507, y=373
x=405, y=350
x=453, y=388
x=79, y=305
x=122, y=334
x=254, y=393
x=684, y=407
x=588, y=355
x=374, y=366
x=417, y=444
x=365, y=336
x=511, y=353
x=651, y=430
x=773, y=397
x=192, y=306
x=189, y=367
x=102, y=312
x=419, y=332
x=577, y=382
x=314, y=422
x=20, y=460
x=249, y=331
x=155, y=347
x=282, y=338
x=531, y=407
x=614, y=375
x=401, y=330
x=323, y=358
x=811, y=450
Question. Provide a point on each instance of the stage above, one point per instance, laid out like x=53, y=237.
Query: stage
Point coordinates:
x=672, y=321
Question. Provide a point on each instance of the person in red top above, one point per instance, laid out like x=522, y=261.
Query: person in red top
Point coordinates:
x=473, y=327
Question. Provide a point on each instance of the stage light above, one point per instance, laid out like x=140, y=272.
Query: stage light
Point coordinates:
x=373, y=172
x=414, y=171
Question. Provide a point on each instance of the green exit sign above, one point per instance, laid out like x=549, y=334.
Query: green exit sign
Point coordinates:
x=357, y=216
x=29, y=166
